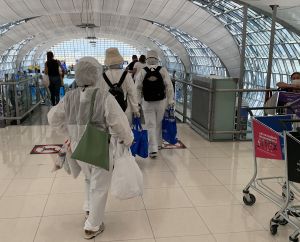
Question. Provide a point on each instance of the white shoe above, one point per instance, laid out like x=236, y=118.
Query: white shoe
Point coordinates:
x=88, y=234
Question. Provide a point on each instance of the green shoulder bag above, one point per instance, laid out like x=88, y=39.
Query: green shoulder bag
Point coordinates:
x=93, y=147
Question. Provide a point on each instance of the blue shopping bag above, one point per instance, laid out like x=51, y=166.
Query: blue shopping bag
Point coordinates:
x=169, y=128
x=140, y=143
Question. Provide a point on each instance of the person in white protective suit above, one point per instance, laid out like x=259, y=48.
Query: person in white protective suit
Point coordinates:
x=154, y=106
x=114, y=62
x=71, y=116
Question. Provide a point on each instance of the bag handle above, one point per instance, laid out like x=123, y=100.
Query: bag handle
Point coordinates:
x=137, y=123
x=92, y=105
x=171, y=112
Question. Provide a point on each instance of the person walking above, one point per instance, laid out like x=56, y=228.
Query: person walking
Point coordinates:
x=139, y=65
x=115, y=74
x=71, y=115
x=129, y=68
x=52, y=67
x=155, y=93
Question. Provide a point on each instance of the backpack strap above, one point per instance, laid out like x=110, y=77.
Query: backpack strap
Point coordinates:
x=107, y=80
x=158, y=68
x=122, y=79
x=146, y=69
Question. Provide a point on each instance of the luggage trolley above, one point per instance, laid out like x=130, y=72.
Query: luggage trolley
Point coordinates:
x=290, y=212
x=268, y=143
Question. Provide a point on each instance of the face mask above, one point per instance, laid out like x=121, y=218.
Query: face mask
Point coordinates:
x=296, y=81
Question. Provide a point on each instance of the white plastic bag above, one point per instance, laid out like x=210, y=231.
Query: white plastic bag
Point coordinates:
x=127, y=178
x=61, y=158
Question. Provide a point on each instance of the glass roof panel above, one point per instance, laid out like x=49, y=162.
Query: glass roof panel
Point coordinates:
x=286, y=50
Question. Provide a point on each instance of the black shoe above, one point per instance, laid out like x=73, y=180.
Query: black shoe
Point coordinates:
x=153, y=155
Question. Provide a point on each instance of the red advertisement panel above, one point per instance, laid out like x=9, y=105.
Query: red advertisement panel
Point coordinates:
x=266, y=142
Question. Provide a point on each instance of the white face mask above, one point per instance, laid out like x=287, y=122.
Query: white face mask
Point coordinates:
x=296, y=81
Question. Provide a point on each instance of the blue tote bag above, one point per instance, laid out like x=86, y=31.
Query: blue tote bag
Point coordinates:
x=169, y=128
x=140, y=143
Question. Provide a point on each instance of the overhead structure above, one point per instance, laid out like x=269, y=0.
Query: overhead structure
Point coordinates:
x=213, y=25
x=126, y=15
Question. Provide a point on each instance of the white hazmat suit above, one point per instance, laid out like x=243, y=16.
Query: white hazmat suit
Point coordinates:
x=71, y=116
x=128, y=88
x=114, y=61
x=154, y=110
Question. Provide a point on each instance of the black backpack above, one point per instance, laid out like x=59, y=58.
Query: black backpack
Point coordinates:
x=153, y=85
x=117, y=91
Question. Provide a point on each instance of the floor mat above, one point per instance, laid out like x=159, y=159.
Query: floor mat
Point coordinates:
x=46, y=149
x=178, y=145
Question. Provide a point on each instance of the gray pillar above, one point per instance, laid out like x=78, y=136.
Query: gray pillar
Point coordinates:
x=242, y=69
x=184, y=93
x=268, y=81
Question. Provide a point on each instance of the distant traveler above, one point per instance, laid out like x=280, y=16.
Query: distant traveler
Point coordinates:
x=129, y=68
x=52, y=70
x=139, y=65
x=115, y=75
x=70, y=117
x=155, y=93
x=295, y=83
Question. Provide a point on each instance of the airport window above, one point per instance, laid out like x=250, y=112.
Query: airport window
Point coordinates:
x=286, y=49
x=72, y=50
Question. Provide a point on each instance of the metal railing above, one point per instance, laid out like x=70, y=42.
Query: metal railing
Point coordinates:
x=183, y=97
x=19, y=98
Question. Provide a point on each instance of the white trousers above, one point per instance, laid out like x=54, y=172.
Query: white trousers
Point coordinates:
x=128, y=113
x=97, y=182
x=154, y=113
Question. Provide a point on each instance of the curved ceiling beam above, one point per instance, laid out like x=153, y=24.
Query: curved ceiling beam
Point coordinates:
x=46, y=45
x=141, y=30
x=141, y=41
x=180, y=14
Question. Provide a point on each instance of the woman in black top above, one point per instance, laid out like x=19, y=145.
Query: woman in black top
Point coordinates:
x=52, y=70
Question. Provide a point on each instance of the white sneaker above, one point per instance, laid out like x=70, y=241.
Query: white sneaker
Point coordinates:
x=88, y=234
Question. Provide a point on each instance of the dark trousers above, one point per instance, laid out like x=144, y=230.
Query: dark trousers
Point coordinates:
x=54, y=87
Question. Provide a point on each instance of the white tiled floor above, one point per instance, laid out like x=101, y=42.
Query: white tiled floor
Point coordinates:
x=191, y=195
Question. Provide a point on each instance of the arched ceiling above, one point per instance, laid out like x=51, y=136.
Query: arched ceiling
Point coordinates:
x=126, y=14
x=141, y=32
x=47, y=44
x=288, y=11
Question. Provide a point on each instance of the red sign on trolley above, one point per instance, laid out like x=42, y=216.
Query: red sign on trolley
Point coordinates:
x=266, y=141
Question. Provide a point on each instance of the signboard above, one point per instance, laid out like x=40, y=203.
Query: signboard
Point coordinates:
x=266, y=141
x=293, y=158
x=46, y=149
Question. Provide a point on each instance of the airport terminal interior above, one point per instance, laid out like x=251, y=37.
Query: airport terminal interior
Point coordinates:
x=233, y=174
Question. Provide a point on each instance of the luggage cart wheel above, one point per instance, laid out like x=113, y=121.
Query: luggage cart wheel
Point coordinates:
x=293, y=239
x=283, y=222
x=249, y=199
x=280, y=220
x=292, y=196
x=273, y=229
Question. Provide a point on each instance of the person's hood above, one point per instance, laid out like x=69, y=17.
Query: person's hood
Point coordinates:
x=88, y=71
x=152, y=57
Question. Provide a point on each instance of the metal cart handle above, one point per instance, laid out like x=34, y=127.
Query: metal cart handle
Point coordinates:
x=267, y=108
x=284, y=121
